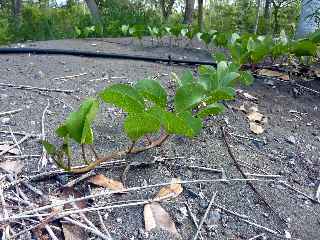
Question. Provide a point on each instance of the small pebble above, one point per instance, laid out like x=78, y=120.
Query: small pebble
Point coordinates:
x=291, y=139
x=5, y=120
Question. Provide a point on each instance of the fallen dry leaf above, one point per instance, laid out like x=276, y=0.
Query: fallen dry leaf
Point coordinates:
x=4, y=147
x=272, y=73
x=12, y=166
x=255, y=117
x=171, y=191
x=256, y=128
x=73, y=232
x=103, y=181
x=156, y=217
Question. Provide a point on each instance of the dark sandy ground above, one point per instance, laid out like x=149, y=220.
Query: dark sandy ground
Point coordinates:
x=288, y=147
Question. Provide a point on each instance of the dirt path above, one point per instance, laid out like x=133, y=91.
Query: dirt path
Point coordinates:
x=289, y=146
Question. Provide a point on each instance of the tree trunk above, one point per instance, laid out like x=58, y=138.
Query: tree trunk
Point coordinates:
x=94, y=10
x=200, y=15
x=166, y=8
x=307, y=22
x=256, y=25
x=266, y=15
x=16, y=12
x=276, y=21
x=188, y=12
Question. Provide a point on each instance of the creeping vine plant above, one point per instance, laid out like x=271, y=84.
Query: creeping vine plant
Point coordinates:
x=146, y=107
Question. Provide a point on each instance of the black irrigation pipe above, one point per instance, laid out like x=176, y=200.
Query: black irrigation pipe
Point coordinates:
x=77, y=53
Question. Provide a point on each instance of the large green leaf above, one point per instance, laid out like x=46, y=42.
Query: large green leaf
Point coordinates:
x=212, y=109
x=153, y=91
x=78, y=124
x=227, y=93
x=192, y=124
x=186, y=78
x=123, y=96
x=304, y=48
x=183, y=124
x=208, y=77
x=188, y=96
x=137, y=125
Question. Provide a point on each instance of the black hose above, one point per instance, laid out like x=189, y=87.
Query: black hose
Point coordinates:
x=169, y=60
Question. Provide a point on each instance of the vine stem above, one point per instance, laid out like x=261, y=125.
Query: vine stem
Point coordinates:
x=118, y=154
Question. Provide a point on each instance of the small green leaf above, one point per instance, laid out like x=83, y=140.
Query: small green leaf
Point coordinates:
x=227, y=93
x=183, y=124
x=153, y=91
x=78, y=124
x=123, y=96
x=304, y=48
x=315, y=37
x=62, y=131
x=228, y=79
x=140, y=124
x=212, y=109
x=188, y=96
x=219, y=56
x=50, y=148
x=246, y=78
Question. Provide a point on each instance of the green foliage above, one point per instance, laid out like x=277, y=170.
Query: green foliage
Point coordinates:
x=304, y=48
x=152, y=91
x=137, y=125
x=78, y=124
x=125, y=97
x=145, y=106
x=5, y=35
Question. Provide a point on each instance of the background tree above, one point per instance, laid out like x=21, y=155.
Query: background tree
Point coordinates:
x=94, y=10
x=188, y=13
x=166, y=8
x=200, y=14
x=308, y=18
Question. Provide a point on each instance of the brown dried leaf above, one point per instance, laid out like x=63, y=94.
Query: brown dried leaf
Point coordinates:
x=256, y=128
x=255, y=117
x=271, y=73
x=103, y=181
x=4, y=147
x=73, y=232
x=12, y=166
x=156, y=217
x=171, y=191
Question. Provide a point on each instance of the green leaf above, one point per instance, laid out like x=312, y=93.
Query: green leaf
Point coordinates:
x=229, y=79
x=169, y=121
x=206, y=37
x=183, y=124
x=227, y=93
x=140, y=124
x=50, y=148
x=251, y=45
x=153, y=91
x=218, y=57
x=186, y=78
x=188, y=96
x=304, y=48
x=212, y=109
x=123, y=96
x=246, y=78
x=315, y=37
x=78, y=124
x=208, y=77
x=192, y=124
